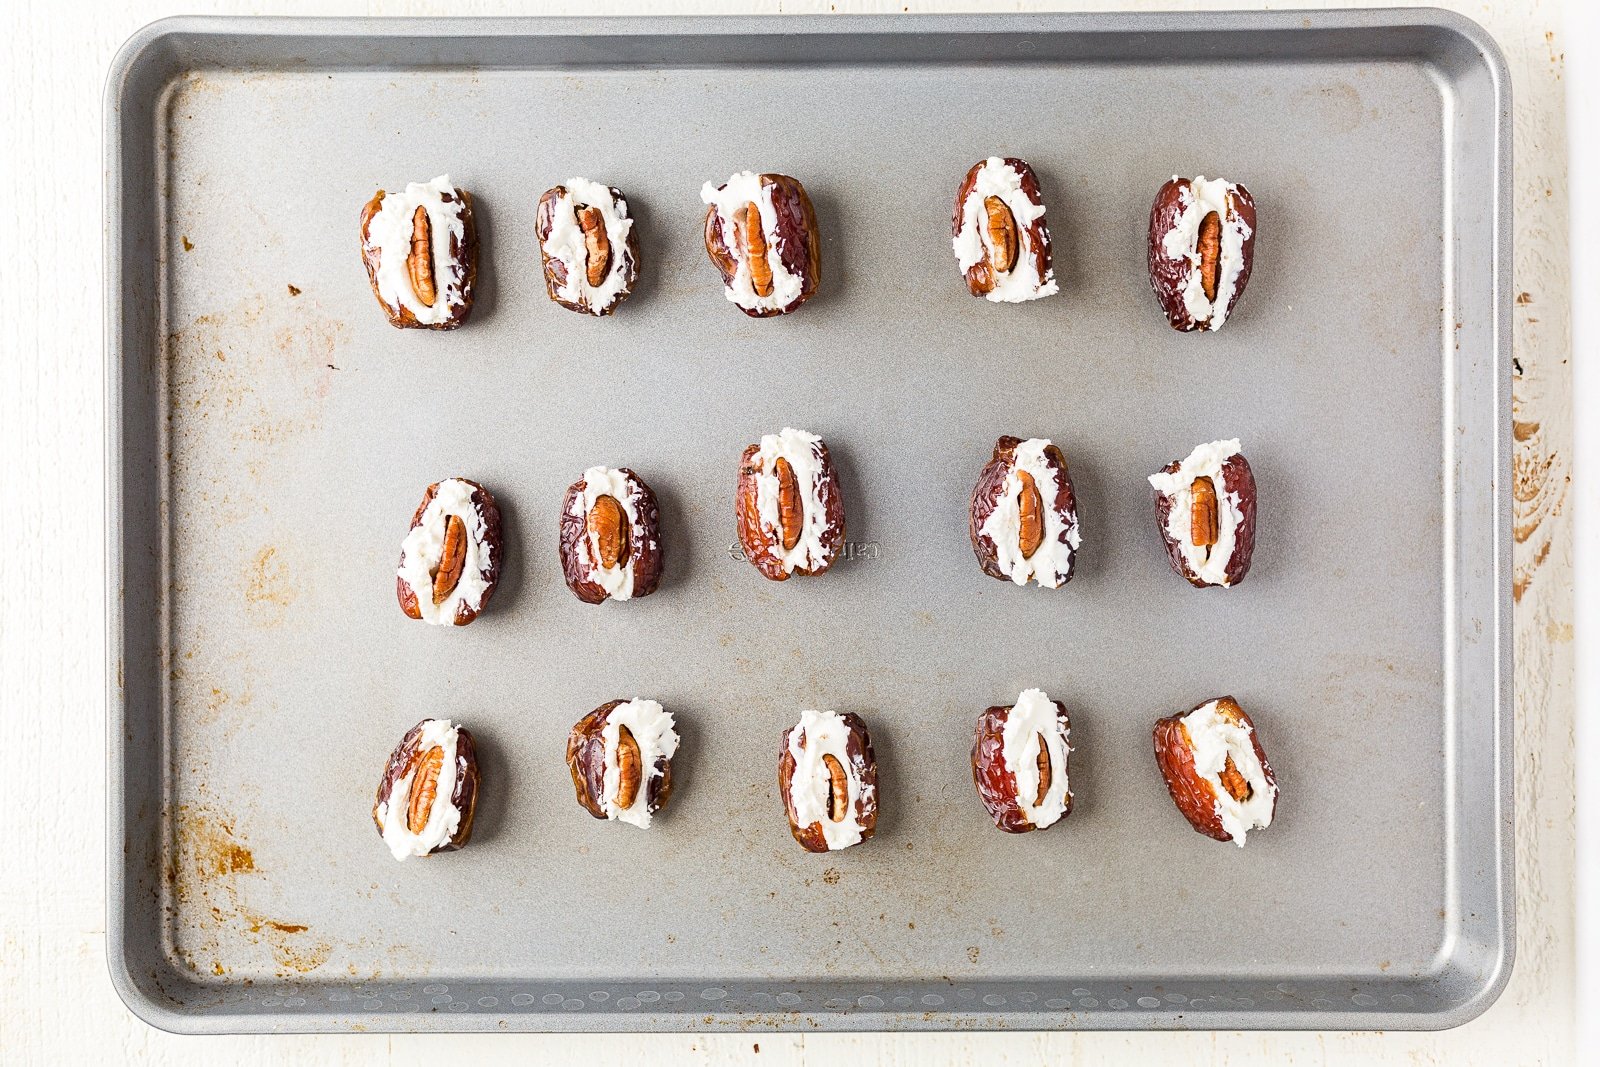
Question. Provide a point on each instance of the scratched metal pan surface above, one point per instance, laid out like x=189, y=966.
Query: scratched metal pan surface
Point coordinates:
x=272, y=434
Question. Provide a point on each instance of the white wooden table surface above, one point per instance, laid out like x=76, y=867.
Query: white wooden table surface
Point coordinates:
x=56, y=1003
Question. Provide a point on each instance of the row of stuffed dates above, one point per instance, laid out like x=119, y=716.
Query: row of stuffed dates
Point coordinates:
x=789, y=514
x=420, y=245
x=620, y=759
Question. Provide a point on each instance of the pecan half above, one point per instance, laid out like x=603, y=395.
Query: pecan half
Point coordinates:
x=629, y=771
x=838, y=788
x=419, y=264
x=608, y=525
x=1234, y=782
x=1030, y=509
x=755, y=249
x=791, y=511
x=596, y=245
x=424, y=788
x=1002, y=234
x=606, y=555
x=420, y=756
x=1210, y=254
x=1042, y=763
x=1203, y=512
x=1223, y=801
x=452, y=561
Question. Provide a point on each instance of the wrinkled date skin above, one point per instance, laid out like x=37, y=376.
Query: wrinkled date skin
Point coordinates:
x=1195, y=798
x=980, y=276
x=586, y=760
x=1169, y=277
x=624, y=260
x=858, y=747
x=1236, y=478
x=763, y=548
x=463, y=250
x=991, y=483
x=483, y=502
x=643, y=543
x=997, y=787
x=800, y=245
x=464, y=797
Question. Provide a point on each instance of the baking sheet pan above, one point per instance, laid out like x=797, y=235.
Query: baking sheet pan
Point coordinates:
x=271, y=434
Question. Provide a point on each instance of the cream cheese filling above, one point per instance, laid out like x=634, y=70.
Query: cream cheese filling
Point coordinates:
x=1051, y=563
x=444, y=818
x=741, y=189
x=389, y=231
x=972, y=241
x=652, y=729
x=423, y=548
x=821, y=733
x=1210, y=565
x=1213, y=739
